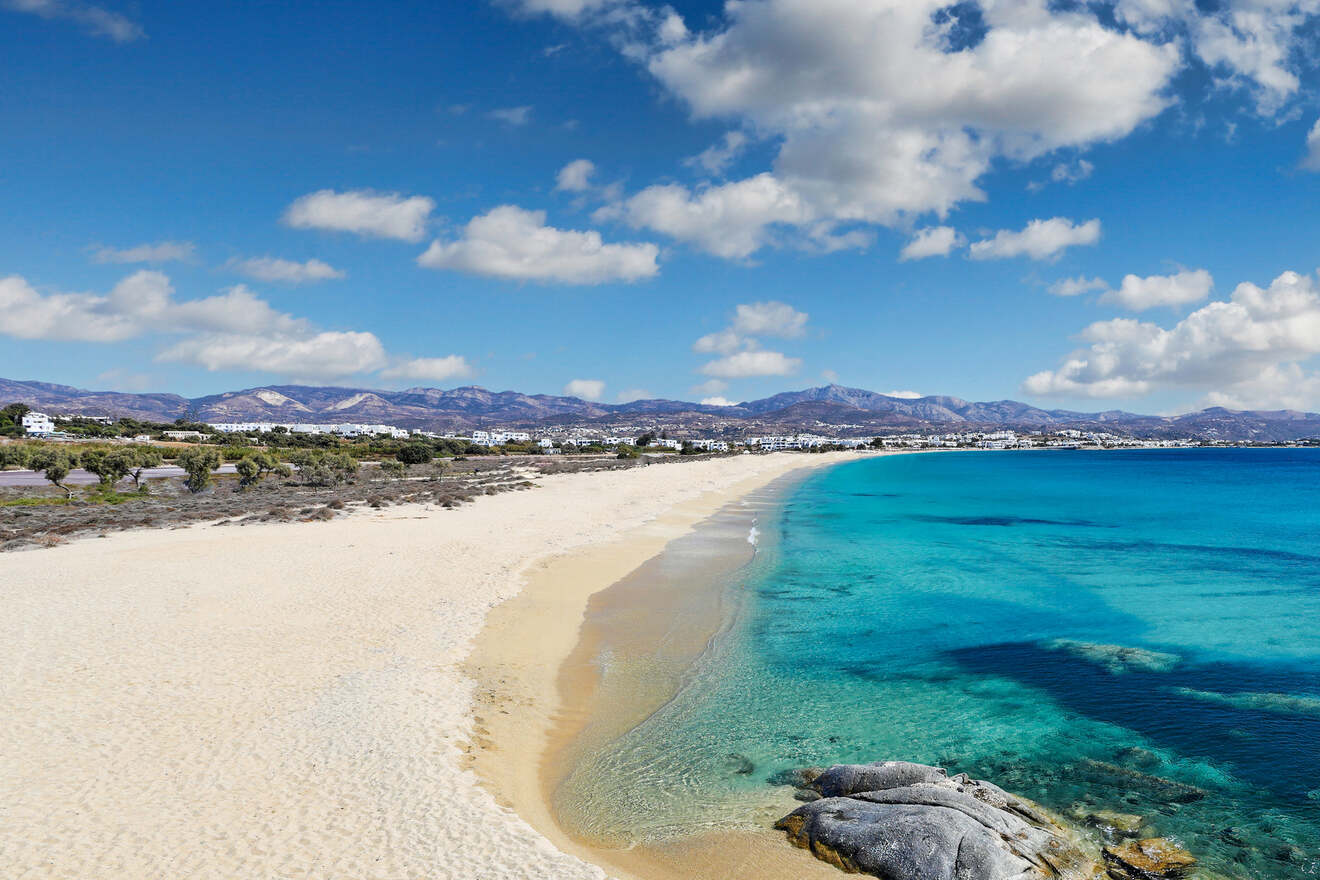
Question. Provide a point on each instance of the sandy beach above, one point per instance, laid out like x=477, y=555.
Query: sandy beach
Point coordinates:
x=291, y=700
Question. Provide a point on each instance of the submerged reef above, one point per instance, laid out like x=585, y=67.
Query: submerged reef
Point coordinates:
x=902, y=821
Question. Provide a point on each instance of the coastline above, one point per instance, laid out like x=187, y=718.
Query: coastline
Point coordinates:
x=289, y=699
x=539, y=683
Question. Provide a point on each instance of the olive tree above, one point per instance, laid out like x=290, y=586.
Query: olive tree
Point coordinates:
x=54, y=464
x=415, y=453
x=198, y=462
x=142, y=457
x=109, y=465
x=321, y=468
x=14, y=455
x=252, y=468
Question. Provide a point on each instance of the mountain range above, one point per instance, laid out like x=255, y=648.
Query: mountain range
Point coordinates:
x=846, y=410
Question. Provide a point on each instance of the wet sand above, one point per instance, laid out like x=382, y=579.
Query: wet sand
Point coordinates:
x=661, y=612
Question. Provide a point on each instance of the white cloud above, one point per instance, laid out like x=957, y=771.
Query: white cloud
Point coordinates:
x=140, y=304
x=515, y=116
x=233, y=330
x=1039, y=240
x=96, y=20
x=364, y=212
x=632, y=394
x=159, y=252
x=432, y=369
x=769, y=319
x=1078, y=286
x=575, y=176
x=587, y=389
x=719, y=342
x=877, y=120
x=565, y=9
x=933, y=241
x=752, y=363
x=1311, y=162
x=515, y=244
x=1139, y=294
x=1253, y=42
x=717, y=401
x=325, y=355
x=1072, y=173
x=290, y=271
x=716, y=158
x=905, y=395
x=1247, y=349
x=732, y=220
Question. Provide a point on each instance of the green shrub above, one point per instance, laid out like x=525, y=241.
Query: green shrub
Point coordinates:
x=199, y=462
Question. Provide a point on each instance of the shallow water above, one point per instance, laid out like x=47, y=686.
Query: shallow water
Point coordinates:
x=980, y=611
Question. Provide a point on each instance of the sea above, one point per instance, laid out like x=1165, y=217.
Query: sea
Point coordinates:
x=1134, y=631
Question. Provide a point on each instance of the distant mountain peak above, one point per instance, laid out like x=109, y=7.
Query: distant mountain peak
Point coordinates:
x=471, y=406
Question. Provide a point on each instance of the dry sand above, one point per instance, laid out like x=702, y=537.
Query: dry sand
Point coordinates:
x=288, y=700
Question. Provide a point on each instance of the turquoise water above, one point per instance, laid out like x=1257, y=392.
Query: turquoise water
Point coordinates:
x=960, y=609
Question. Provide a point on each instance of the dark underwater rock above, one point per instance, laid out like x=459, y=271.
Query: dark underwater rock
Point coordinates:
x=902, y=821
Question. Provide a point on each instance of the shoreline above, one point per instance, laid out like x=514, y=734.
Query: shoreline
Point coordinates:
x=537, y=653
x=289, y=699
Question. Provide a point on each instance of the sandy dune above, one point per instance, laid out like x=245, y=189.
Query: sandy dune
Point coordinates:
x=286, y=700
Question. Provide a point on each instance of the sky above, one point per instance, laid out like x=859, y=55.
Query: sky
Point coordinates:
x=1091, y=206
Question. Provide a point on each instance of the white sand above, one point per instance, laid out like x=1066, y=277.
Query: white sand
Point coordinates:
x=286, y=700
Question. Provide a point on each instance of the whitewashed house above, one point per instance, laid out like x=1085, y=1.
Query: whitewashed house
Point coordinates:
x=38, y=424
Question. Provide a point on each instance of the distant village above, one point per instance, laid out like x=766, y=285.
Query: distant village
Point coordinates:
x=561, y=439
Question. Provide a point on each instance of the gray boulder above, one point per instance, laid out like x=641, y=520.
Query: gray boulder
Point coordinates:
x=902, y=821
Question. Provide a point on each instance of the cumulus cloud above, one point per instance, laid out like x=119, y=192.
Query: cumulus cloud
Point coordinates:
x=517, y=245
x=1078, y=286
x=325, y=355
x=432, y=369
x=717, y=401
x=575, y=176
x=141, y=303
x=905, y=395
x=587, y=389
x=159, y=252
x=933, y=241
x=1245, y=349
x=364, y=212
x=769, y=319
x=716, y=158
x=96, y=20
x=631, y=394
x=1139, y=294
x=289, y=271
x=890, y=109
x=752, y=320
x=515, y=116
x=878, y=118
x=233, y=330
x=745, y=364
x=1039, y=240
x=1251, y=43
x=719, y=342
x=733, y=220
x=1311, y=161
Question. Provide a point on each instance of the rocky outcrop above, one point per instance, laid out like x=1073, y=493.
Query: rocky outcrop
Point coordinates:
x=1155, y=858
x=902, y=821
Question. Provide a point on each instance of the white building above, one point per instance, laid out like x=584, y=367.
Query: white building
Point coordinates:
x=38, y=423
x=711, y=445
x=499, y=438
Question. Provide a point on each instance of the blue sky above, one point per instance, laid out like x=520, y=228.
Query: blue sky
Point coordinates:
x=196, y=198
